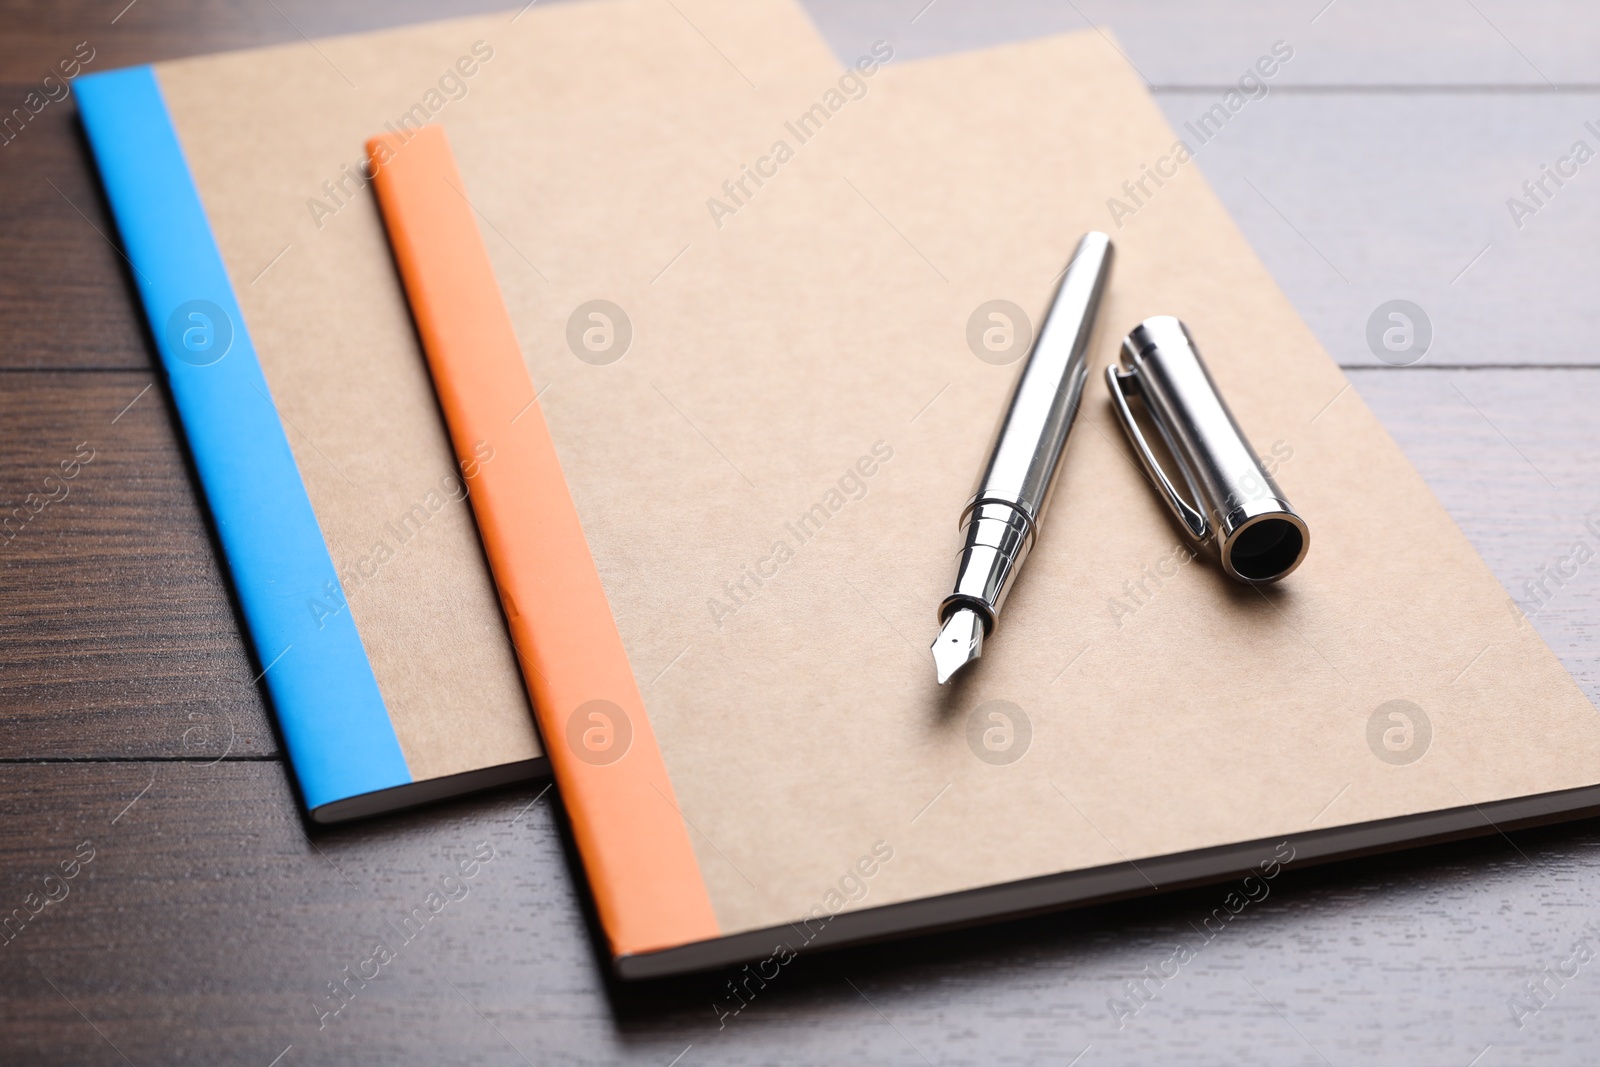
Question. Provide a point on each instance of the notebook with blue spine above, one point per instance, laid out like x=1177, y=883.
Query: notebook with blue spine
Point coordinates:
x=260, y=261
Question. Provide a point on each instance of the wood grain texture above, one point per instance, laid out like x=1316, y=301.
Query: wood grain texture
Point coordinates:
x=40, y=32
x=118, y=637
x=69, y=296
x=208, y=921
x=207, y=927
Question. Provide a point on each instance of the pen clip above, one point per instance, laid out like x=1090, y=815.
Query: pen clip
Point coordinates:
x=1193, y=521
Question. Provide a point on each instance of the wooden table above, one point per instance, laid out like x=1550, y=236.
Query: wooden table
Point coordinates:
x=207, y=924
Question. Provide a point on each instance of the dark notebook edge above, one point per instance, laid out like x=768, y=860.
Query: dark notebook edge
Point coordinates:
x=1100, y=885
x=429, y=790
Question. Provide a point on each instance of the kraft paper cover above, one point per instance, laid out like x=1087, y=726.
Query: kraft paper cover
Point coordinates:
x=802, y=349
x=263, y=132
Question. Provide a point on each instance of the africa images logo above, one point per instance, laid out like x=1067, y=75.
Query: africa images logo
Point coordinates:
x=599, y=332
x=199, y=333
x=599, y=732
x=999, y=732
x=1399, y=732
x=999, y=333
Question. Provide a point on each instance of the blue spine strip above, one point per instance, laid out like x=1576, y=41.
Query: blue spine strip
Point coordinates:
x=341, y=741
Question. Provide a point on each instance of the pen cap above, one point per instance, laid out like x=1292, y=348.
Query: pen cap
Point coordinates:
x=1236, y=504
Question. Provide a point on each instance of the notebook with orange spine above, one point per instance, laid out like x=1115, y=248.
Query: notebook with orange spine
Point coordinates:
x=748, y=402
x=647, y=887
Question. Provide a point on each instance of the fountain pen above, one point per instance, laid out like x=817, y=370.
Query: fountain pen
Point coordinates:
x=1001, y=521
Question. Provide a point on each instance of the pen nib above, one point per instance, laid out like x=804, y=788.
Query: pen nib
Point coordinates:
x=958, y=644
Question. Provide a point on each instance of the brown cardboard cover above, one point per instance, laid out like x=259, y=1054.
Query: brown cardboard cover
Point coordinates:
x=263, y=132
x=802, y=349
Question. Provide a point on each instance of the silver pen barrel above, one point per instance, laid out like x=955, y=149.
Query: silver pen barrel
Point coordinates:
x=1001, y=521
